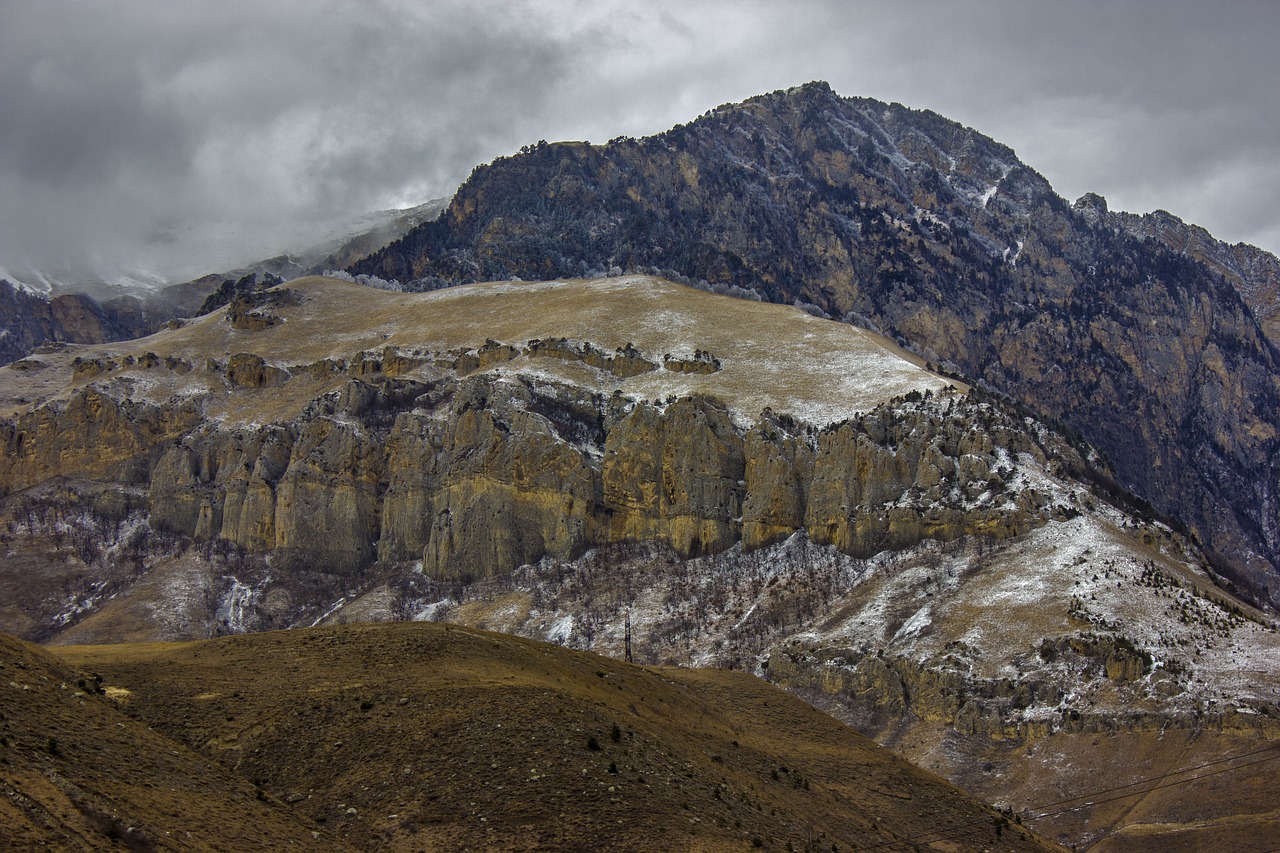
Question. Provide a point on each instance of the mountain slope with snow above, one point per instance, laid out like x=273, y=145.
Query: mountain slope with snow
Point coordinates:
x=906, y=222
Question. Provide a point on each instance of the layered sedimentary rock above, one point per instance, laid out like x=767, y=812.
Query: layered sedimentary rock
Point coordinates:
x=92, y=435
x=479, y=475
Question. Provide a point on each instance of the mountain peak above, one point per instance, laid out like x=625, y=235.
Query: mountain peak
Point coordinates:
x=1092, y=207
x=912, y=223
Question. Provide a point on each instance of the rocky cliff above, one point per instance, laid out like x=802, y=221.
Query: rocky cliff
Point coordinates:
x=29, y=320
x=906, y=222
x=479, y=475
x=1253, y=272
x=474, y=460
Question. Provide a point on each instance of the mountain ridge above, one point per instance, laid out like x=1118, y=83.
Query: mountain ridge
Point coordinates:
x=909, y=223
x=97, y=312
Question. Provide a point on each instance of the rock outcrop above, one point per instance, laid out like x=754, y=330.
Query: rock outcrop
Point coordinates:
x=93, y=435
x=479, y=475
x=882, y=694
x=30, y=320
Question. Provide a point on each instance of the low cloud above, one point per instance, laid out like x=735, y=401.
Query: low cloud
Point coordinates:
x=184, y=138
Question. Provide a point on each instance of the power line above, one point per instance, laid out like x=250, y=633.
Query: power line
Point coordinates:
x=970, y=827
x=1092, y=803
x=1170, y=774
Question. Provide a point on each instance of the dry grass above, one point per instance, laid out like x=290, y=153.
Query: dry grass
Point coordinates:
x=771, y=355
x=425, y=736
x=76, y=774
x=1231, y=811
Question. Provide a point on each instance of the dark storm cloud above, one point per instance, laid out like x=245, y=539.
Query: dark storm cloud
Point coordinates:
x=149, y=134
x=180, y=137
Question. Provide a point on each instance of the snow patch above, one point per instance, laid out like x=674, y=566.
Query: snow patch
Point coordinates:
x=560, y=630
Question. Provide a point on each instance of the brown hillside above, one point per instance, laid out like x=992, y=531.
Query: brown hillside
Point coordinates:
x=76, y=774
x=426, y=736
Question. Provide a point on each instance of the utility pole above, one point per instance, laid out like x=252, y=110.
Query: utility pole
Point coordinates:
x=627, y=638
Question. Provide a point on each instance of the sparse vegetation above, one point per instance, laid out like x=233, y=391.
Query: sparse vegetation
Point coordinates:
x=451, y=758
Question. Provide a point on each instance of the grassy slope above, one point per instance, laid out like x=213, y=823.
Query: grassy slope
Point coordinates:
x=771, y=355
x=76, y=774
x=424, y=736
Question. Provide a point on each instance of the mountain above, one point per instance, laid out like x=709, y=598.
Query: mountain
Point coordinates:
x=340, y=248
x=1253, y=272
x=1144, y=338
x=645, y=469
x=96, y=312
x=435, y=737
x=32, y=319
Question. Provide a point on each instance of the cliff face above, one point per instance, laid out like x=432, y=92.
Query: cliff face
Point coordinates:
x=1250, y=270
x=492, y=477
x=477, y=460
x=92, y=435
x=907, y=222
x=29, y=320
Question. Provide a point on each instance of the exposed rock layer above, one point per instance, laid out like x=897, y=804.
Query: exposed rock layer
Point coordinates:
x=480, y=475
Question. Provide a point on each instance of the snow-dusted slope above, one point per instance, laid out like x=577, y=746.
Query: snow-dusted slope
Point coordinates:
x=769, y=355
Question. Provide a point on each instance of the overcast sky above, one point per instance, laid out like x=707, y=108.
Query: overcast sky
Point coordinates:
x=179, y=138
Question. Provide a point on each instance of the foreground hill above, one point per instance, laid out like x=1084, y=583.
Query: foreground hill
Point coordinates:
x=1138, y=332
x=406, y=737
x=77, y=774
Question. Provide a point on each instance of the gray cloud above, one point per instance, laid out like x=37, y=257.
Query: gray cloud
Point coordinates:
x=186, y=137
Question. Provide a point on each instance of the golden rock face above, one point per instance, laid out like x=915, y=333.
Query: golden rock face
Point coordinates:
x=93, y=435
x=489, y=484
x=478, y=458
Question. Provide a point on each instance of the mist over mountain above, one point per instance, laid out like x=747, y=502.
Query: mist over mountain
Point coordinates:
x=906, y=222
x=53, y=311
